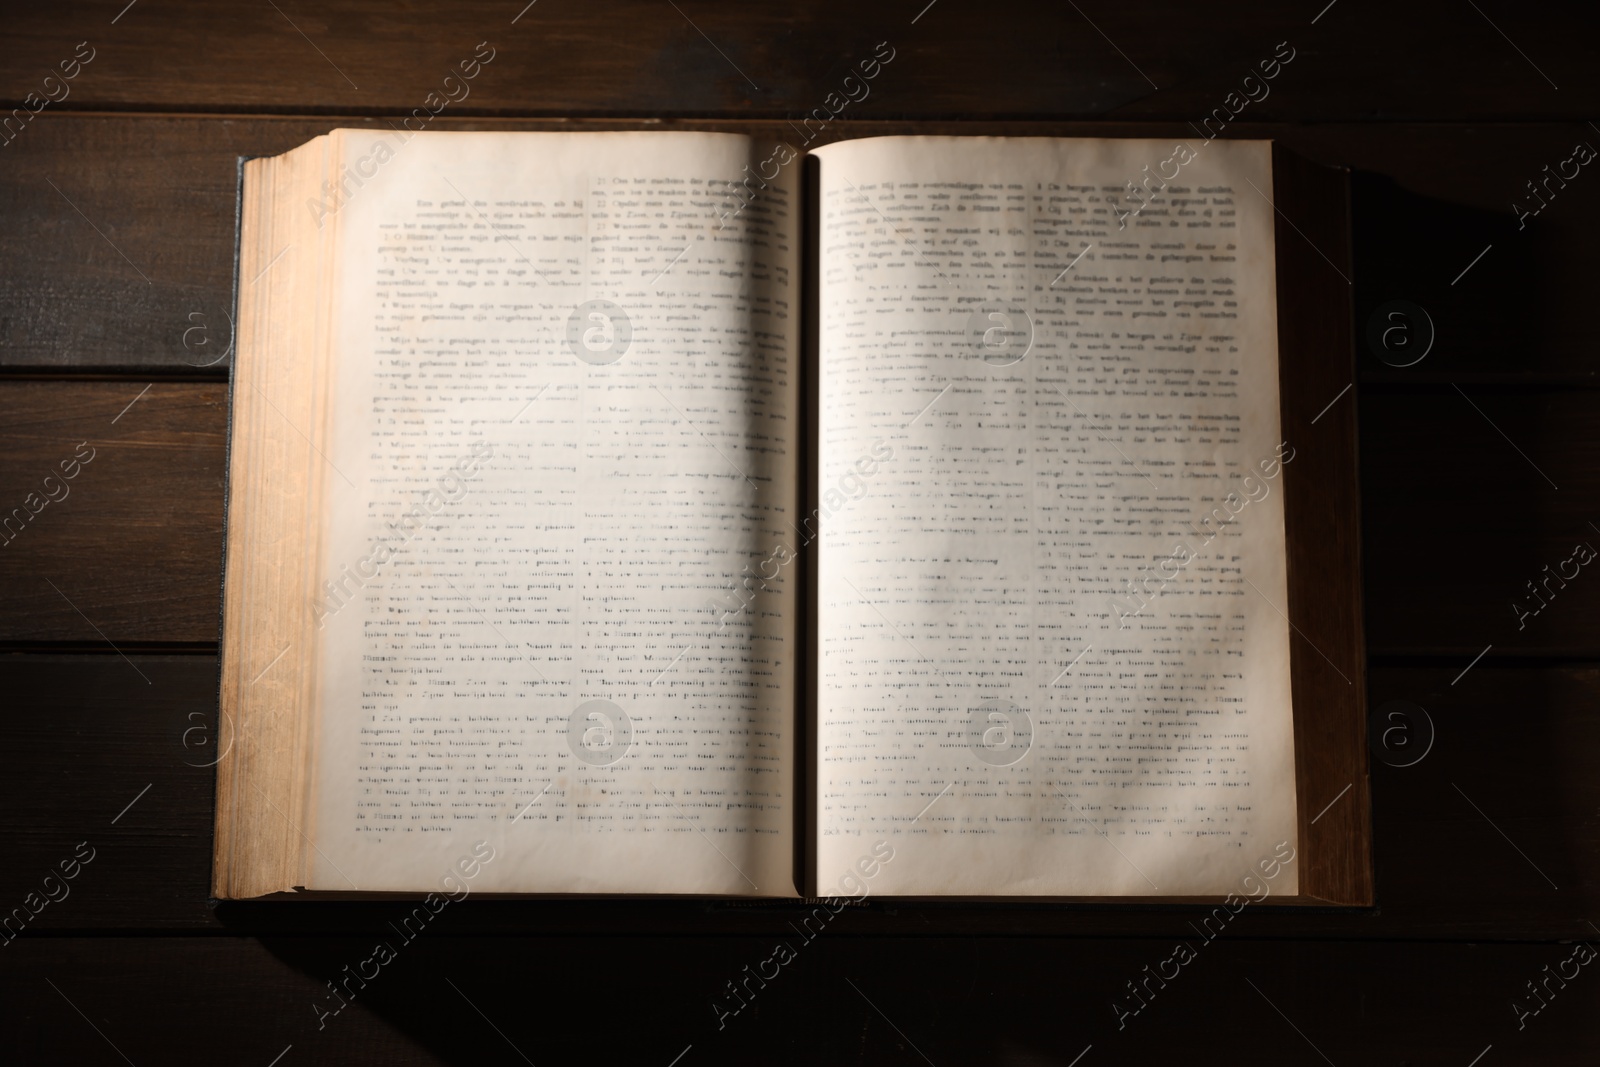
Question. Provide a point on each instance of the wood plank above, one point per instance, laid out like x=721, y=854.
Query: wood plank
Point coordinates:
x=1469, y=842
x=130, y=549
x=1430, y=59
x=117, y=240
x=142, y=279
x=447, y=999
x=1467, y=494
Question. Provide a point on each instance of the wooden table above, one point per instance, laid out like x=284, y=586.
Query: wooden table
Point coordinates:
x=1479, y=468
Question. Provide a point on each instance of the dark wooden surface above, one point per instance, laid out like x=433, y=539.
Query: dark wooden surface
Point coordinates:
x=1478, y=468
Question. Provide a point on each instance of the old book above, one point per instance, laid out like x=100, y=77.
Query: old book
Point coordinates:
x=683, y=513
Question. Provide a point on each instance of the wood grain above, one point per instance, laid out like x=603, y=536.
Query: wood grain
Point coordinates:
x=1430, y=59
x=118, y=239
x=1468, y=493
x=132, y=550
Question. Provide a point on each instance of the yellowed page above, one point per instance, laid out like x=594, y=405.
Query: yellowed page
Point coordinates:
x=275, y=474
x=1052, y=654
x=563, y=424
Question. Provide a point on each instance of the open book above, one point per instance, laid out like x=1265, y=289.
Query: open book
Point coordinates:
x=625, y=513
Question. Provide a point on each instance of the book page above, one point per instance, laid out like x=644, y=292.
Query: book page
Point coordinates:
x=562, y=423
x=1053, y=658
